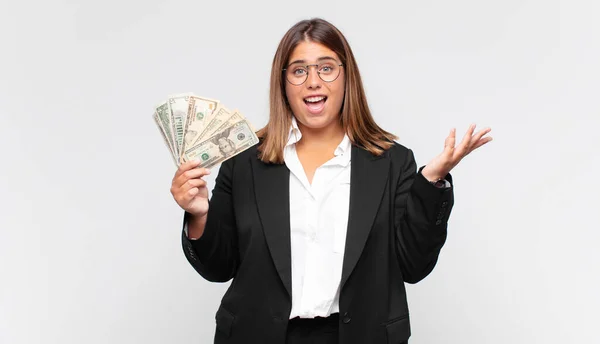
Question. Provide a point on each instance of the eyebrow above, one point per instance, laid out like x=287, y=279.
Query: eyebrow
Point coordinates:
x=322, y=58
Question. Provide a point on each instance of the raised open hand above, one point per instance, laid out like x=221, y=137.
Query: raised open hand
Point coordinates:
x=439, y=166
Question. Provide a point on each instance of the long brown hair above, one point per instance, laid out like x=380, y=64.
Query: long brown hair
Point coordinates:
x=356, y=118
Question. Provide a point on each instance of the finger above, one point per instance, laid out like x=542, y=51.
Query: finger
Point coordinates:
x=480, y=134
x=476, y=139
x=467, y=138
x=481, y=142
x=186, y=166
x=189, y=195
x=194, y=173
x=450, y=141
x=192, y=183
x=463, y=147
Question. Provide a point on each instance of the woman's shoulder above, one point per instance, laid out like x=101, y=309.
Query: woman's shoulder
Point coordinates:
x=398, y=151
x=389, y=149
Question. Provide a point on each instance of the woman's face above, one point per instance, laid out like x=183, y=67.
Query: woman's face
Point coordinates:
x=316, y=104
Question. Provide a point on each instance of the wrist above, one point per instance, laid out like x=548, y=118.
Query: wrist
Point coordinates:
x=431, y=176
x=196, y=225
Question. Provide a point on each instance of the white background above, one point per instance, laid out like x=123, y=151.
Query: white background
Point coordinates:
x=90, y=248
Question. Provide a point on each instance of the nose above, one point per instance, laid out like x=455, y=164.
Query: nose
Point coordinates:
x=313, y=80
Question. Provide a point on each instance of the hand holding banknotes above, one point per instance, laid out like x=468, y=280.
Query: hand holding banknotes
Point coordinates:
x=199, y=133
x=189, y=189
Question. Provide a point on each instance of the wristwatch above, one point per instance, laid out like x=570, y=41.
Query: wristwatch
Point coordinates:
x=440, y=183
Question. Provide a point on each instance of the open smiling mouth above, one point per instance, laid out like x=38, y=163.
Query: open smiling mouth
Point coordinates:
x=315, y=104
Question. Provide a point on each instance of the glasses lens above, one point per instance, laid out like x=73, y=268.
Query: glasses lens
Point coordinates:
x=296, y=75
x=329, y=71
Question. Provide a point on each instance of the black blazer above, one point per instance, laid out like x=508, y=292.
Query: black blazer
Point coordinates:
x=396, y=228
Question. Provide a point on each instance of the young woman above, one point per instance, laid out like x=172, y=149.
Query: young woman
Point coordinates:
x=322, y=223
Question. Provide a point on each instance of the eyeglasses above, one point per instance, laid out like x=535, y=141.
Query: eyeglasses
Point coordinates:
x=327, y=71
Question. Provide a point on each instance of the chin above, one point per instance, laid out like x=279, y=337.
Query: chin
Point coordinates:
x=315, y=121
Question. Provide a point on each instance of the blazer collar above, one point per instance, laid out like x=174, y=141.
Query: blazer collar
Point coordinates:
x=368, y=177
x=272, y=189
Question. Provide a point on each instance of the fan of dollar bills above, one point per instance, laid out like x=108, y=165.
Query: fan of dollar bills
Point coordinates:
x=201, y=128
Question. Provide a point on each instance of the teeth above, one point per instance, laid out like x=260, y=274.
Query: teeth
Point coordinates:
x=314, y=99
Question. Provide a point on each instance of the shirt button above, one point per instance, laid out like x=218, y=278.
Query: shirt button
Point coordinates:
x=346, y=318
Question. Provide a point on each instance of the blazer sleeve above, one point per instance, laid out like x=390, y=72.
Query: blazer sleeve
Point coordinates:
x=421, y=213
x=215, y=254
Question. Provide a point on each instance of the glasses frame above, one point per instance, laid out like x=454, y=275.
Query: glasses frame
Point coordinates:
x=308, y=72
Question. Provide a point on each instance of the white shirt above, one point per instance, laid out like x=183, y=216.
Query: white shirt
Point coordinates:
x=318, y=222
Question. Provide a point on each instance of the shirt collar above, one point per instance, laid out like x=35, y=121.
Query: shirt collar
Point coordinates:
x=344, y=146
x=294, y=135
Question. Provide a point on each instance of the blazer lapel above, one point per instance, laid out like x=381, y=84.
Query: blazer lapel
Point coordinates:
x=368, y=177
x=272, y=189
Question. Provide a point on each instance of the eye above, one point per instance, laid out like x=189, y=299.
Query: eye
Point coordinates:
x=299, y=71
x=326, y=69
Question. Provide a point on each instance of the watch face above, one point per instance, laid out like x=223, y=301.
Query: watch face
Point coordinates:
x=438, y=183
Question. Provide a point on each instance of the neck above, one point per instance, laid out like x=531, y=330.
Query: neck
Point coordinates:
x=327, y=137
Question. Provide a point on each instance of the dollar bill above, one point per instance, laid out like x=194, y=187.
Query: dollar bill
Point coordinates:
x=235, y=117
x=178, y=109
x=164, y=136
x=164, y=116
x=199, y=112
x=223, y=145
x=219, y=116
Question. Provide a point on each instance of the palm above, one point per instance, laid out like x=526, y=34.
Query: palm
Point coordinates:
x=442, y=164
